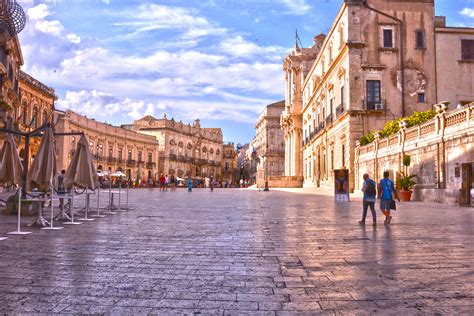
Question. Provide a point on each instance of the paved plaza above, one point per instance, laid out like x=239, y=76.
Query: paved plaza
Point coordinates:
x=232, y=252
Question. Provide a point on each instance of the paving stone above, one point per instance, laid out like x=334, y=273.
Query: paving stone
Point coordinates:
x=237, y=252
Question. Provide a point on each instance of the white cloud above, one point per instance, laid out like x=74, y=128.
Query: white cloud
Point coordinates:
x=214, y=82
x=296, y=7
x=469, y=12
x=238, y=46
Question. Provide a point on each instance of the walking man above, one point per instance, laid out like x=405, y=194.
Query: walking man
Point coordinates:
x=369, y=189
x=387, y=187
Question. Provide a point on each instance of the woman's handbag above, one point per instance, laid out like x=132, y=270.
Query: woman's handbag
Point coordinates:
x=393, y=205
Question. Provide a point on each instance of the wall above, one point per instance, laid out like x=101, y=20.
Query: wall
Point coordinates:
x=436, y=149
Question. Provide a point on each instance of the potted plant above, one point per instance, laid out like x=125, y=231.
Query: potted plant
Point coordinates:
x=406, y=183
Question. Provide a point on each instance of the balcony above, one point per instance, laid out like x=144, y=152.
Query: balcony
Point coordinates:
x=329, y=119
x=181, y=158
x=374, y=106
x=99, y=157
x=150, y=165
x=120, y=161
x=212, y=163
x=340, y=109
x=111, y=160
x=172, y=157
x=131, y=163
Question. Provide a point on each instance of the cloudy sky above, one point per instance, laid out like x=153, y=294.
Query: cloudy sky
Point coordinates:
x=217, y=60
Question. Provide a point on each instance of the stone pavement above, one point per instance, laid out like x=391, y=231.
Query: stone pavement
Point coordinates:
x=232, y=252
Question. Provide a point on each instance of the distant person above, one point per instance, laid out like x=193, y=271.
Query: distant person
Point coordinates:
x=162, y=182
x=211, y=184
x=387, y=192
x=241, y=183
x=190, y=184
x=173, y=183
x=167, y=182
x=370, y=194
x=61, y=188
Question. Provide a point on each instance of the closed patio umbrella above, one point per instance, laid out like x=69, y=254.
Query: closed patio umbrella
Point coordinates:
x=81, y=172
x=11, y=169
x=11, y=172
x=43, y=171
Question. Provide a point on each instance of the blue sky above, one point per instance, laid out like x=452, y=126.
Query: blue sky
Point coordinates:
x=217, y=60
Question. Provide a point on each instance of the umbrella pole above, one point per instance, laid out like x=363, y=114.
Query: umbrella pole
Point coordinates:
x=18, y=231
x=72, y=222
x=88, y=200
x=98, y=204
x=51, y=227
x=120, y=196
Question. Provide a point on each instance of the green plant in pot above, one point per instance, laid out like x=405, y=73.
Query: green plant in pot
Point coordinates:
x=406, y=181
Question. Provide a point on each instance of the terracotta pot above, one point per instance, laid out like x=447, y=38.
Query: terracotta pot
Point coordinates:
x=405, y=195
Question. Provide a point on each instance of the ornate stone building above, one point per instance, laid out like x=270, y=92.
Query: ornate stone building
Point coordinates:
x=455, y=63
x=296, y=66
x=113, y=148
x=185, y=149
x=229, y=164
x=376, y=63
x=269, y=143
x=25, y=102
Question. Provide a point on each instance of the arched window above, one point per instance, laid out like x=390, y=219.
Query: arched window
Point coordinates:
x=180, y=148
x=189, y=147
x=35, y=117
x=24, y=114
x=45, y=116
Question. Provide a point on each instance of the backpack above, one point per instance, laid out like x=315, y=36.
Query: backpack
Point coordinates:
x=370, y=189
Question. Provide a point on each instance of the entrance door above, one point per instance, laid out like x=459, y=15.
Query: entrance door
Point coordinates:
x=466, y=186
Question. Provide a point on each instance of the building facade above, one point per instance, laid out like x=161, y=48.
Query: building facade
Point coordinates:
x=296, y=66
x=376, y=63
x=441, y=152
x=229, y=164
x=455, y=63
x=185, y=149
x=269, y=143
x=113, y=148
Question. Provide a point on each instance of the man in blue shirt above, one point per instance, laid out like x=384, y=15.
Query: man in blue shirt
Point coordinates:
x=387, y=188
x=369, y=189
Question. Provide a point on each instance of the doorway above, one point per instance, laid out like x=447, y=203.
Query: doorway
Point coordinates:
x=467, y=184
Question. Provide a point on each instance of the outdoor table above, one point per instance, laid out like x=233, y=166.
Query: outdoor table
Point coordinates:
x=111, y=206
x=63, y=215
x=86, y=207
x=37, y=201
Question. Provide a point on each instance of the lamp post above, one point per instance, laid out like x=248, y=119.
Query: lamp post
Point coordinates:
x=265, y=160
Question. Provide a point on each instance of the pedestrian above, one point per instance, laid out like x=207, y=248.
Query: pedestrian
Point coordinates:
x=167, y=182
x=190, y=184
x=387, y=191
x=211, y=184
x=370, y=194
x=162, y=182
x=61, y=188
x=173, y=183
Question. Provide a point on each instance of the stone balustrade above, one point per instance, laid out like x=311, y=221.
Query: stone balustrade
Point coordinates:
x=436, y=147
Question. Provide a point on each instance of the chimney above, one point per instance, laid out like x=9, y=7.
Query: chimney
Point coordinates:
x=440, y=21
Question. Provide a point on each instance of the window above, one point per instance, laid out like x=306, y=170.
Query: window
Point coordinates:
x=45, y=117
x=467, y=49
x=332, y=159
x=420, y=39
x=35, y=118
x=111, y=151
x=387, y=38
x=342, y=98
x=129, y=157
x=150, y=157
x=421, y=97
x=139, y=156
x=119, y=155
x=24, y=115
x=373, y=94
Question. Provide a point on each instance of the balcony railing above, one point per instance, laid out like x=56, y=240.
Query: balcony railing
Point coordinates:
x=111, y=160
x=131, y=163
x=181, y=158
x=329, y=119
x=340, y=109
x=172, y=157
x=374, y=106
x=150, y=165
x=120, y=161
